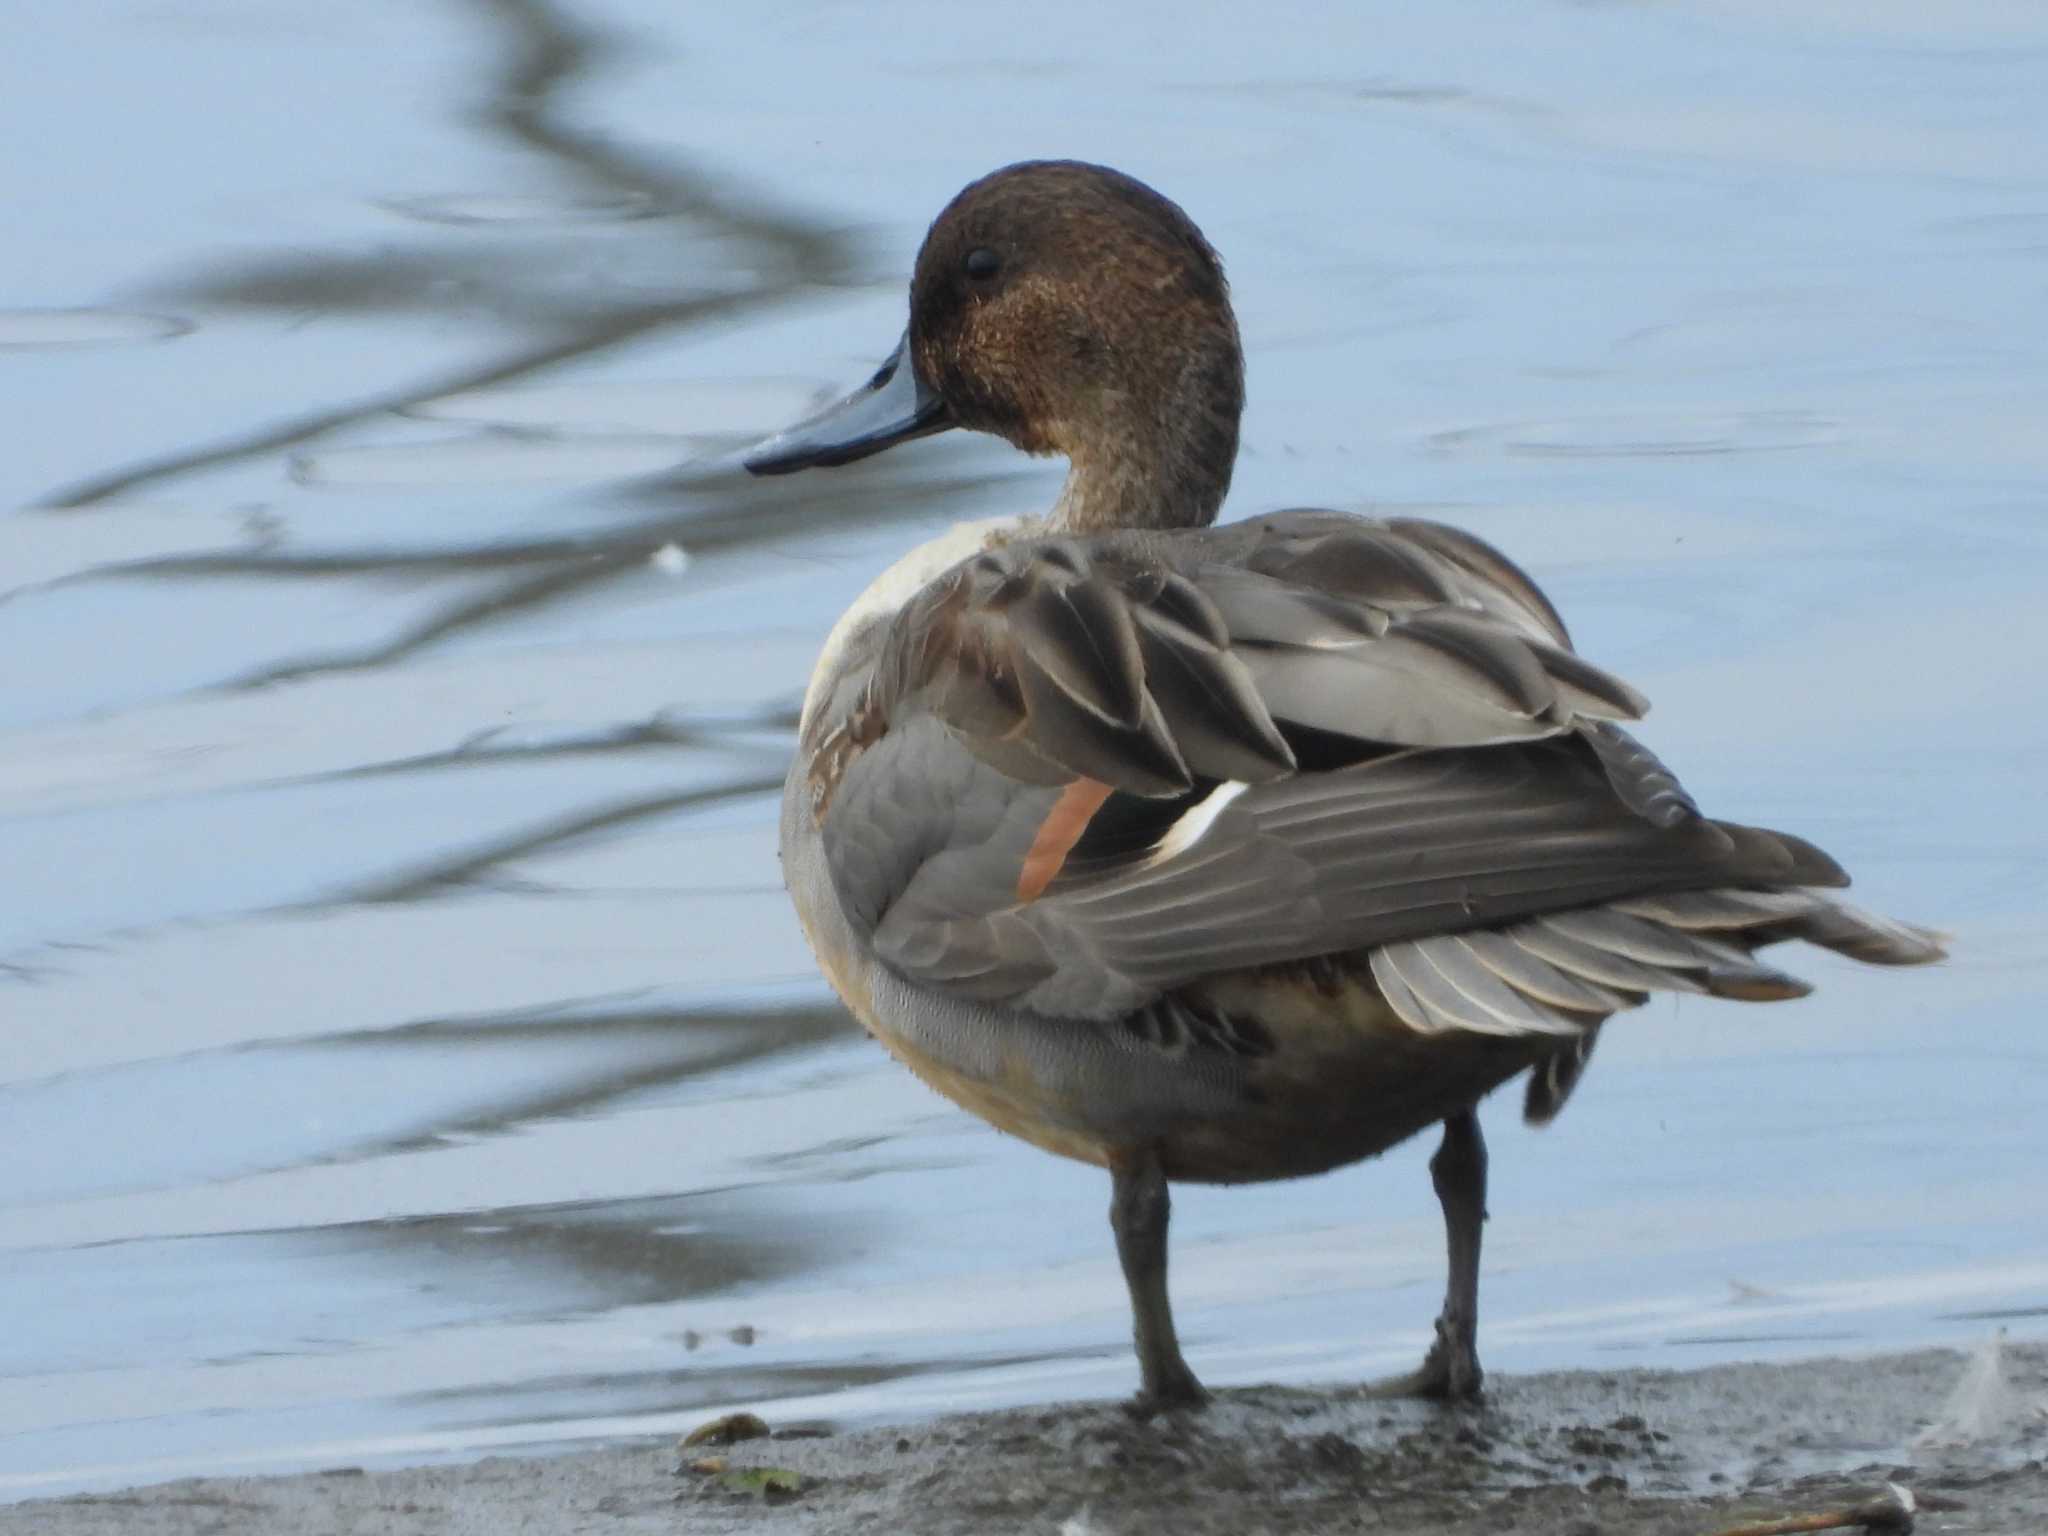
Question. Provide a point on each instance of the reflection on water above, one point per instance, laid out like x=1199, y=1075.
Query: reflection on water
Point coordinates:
x=410, y=1049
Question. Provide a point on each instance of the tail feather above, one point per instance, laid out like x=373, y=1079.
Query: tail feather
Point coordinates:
x=1757, y=918
x=1552, y=1079
x=1562, y=975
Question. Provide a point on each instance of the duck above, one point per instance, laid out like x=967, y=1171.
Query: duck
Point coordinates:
x=1227, y=853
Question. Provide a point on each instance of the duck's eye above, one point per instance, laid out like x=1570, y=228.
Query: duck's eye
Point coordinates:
x=983, y=263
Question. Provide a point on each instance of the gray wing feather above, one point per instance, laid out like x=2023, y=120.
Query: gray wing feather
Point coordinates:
x=1147, y=662
x=1529, y=973
x=1455, y=991
x=1494, y=581
x=1645, y=785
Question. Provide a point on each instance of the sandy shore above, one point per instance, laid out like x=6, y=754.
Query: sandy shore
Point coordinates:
x=1564, y=1455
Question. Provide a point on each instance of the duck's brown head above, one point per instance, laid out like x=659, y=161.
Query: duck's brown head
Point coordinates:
x=1068, y=309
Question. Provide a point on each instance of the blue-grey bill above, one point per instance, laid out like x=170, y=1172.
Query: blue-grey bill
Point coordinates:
x=892, y=407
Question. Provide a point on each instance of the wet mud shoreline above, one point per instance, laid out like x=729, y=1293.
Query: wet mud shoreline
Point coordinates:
x=1572, y=1454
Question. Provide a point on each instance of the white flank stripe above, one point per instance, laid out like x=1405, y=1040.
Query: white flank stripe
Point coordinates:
x=1186, y=832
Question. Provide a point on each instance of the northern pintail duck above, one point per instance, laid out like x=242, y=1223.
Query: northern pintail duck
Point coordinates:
x=1227, y=854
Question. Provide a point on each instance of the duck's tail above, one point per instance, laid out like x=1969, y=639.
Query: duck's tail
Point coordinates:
x=1565, y=973
x=1746, y=920
x=1753, y=919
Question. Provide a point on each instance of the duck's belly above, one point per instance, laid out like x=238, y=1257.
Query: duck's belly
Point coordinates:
x=1343, y=1078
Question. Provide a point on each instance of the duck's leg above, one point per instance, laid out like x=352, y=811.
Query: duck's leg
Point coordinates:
x=1451, y=1369
x=1138, y=1209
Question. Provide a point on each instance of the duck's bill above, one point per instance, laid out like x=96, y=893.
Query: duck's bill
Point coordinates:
x=891, y=408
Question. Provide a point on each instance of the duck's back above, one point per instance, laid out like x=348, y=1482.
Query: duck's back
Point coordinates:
x=1316, y=812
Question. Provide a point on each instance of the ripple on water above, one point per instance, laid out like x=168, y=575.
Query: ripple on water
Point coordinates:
x=739, y=408
x=86, y=327
x=1596, y=437
x=493, y=459
x=519, y=209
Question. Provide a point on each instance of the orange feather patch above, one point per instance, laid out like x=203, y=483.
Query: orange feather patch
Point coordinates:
x=1057, y=834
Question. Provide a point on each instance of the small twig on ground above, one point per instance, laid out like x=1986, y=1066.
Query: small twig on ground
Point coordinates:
x=1891, y=1510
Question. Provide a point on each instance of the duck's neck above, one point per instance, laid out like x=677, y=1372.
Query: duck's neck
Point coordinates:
x=1162, y=463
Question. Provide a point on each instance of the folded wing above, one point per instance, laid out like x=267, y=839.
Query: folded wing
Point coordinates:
x=1074, y=774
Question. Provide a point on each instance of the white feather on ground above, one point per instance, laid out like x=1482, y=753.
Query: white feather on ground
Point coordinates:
x=1983, y=1405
